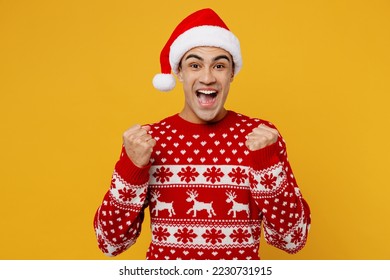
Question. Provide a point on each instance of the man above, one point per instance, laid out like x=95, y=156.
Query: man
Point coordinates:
x=210, y=177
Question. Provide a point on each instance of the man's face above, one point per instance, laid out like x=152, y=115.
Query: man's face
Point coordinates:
x=206, y=74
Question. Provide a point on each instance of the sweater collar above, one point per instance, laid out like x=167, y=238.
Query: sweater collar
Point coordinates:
x=226, y=122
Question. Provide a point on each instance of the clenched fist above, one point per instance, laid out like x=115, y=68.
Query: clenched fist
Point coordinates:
x=138, y=144
x=260, y=137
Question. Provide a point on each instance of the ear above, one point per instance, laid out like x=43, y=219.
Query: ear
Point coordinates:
x=180, y=74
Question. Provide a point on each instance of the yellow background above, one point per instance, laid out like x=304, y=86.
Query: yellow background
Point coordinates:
x=75, y=74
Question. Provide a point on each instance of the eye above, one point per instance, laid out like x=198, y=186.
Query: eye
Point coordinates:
x=219, y=66
x=194, y=65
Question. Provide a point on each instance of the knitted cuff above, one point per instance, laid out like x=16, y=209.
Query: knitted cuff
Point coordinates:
x=130, y=172
x=265, y=157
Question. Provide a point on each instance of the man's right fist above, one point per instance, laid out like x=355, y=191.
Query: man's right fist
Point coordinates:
x=138, y=144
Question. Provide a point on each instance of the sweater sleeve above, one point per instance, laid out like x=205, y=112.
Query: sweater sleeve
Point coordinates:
x=286, y=215
x=119, y=218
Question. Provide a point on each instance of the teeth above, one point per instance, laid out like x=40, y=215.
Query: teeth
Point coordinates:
x=206, y=91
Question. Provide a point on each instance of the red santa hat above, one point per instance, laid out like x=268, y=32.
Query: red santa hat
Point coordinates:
x=202, y=28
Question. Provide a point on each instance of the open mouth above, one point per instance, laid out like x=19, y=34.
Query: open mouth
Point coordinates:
x=206, y=97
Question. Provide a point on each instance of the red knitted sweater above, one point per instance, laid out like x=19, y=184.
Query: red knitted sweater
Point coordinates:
x=208, y=195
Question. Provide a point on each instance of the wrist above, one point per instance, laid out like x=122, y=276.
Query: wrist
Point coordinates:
x=130, y=171
x=265, y=157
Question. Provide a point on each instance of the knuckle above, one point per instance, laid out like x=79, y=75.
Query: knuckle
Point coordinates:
x=137, y=141
x=153, y=142
x=130, y=139
x=263, y=138
x=256, y=130
x=125, y=134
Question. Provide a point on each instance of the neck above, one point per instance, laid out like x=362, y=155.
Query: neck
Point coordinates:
x=196, y=119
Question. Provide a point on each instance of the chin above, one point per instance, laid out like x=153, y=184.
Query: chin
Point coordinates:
x=208, y=117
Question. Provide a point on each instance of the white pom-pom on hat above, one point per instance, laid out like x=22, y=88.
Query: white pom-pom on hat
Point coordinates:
x=164, y=82
x=202, y=28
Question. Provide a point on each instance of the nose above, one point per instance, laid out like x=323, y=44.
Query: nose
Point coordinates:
x=207, y=76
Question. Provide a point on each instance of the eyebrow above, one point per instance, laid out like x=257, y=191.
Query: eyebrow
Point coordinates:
x=222, y=57
x=201, y=59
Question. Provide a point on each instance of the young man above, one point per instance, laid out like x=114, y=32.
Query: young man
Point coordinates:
x=210, y=177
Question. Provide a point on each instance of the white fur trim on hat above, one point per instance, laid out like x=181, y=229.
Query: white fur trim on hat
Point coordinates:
x=164, y=82
x=205, y=36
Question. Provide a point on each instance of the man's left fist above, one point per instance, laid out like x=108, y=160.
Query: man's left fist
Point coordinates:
x=260, y=137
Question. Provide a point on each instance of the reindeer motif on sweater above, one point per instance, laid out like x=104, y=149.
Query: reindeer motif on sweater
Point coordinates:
x=198, y=205
x=160, y=205
x=236, y=207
